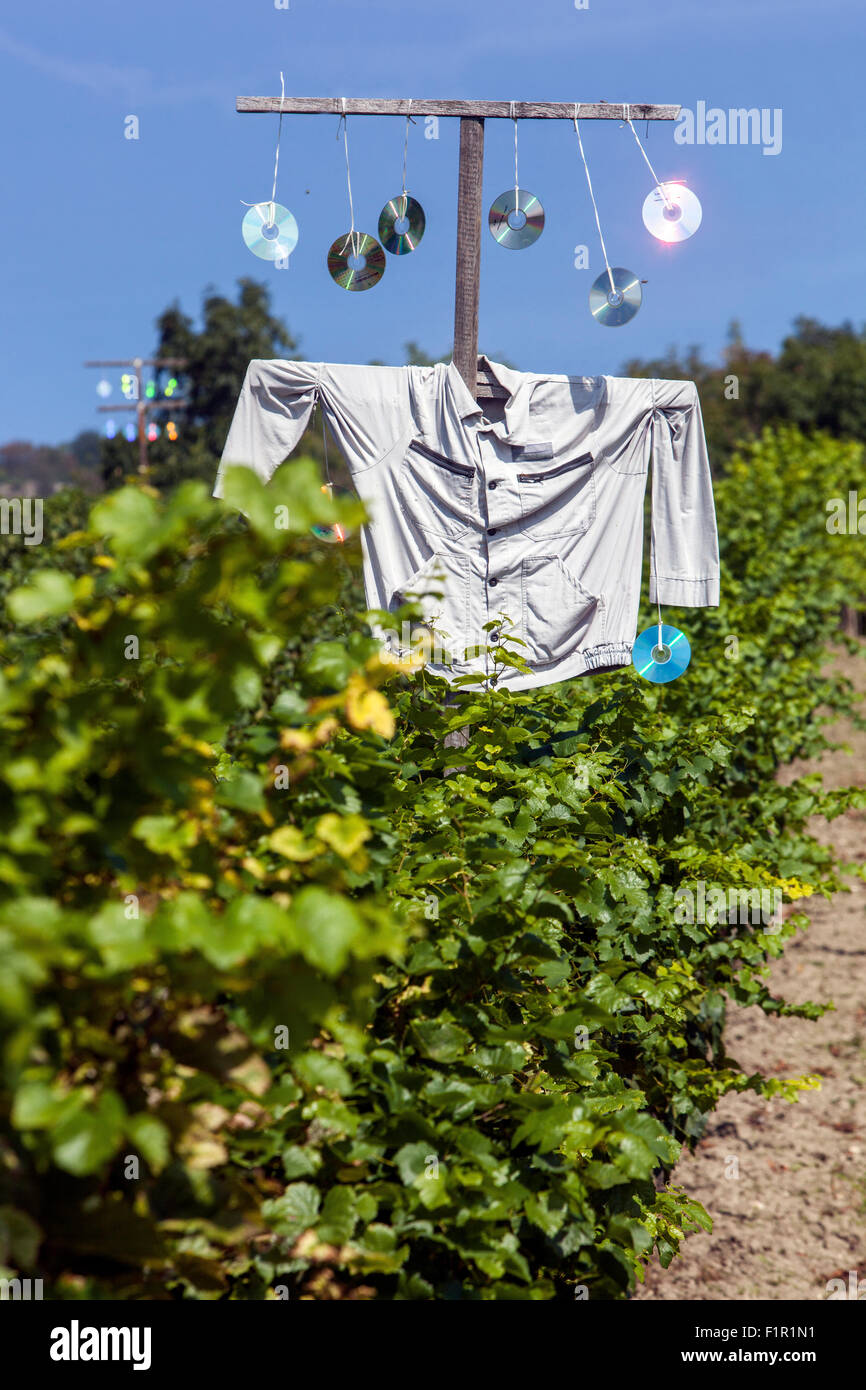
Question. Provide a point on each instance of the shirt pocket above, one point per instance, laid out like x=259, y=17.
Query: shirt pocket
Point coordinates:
x=436, y=493
x=557, y=611
x=558, y=501
x=440, y=590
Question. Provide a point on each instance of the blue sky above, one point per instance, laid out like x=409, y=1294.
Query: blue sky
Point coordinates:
x=100, y=233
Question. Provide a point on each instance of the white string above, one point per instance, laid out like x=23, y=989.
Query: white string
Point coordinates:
x=406, y=150
x=655, y=570
x=325, y=444
x=652, y=516
x=655, y=563
x=271, y=205
x=592, y=197
x=344, y=121
x=337, y=528
x=659, y=185
x=516, y=181
x=277, y=155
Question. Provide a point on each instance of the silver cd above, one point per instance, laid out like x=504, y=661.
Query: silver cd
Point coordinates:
x=525, y=210
x=271, y=238
x=616, y=306
x=356, y=261
x=672, y=212
x=401, y=224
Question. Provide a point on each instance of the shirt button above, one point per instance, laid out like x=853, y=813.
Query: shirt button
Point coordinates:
x=491, y=530
x=491, y=486
x=493, y=583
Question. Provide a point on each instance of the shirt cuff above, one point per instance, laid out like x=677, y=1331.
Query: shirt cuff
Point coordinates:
x=685, y=593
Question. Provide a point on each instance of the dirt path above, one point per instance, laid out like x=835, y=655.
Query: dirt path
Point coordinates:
x=786, y=1184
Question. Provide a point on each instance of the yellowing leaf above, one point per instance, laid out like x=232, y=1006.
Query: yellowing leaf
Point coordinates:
x=299, y=740
x=291, y=844
x=254, y=867
x=368, y=709
x=324, y=730
x=345, y=834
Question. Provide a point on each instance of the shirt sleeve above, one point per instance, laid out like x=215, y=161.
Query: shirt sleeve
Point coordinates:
x=684, y=557
x=366, y=409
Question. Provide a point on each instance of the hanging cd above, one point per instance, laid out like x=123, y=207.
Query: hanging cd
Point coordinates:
x=672, y=212
x=356, y=261
x=401, y=224
x=516, y=223
x=665, y=663
x=270, y=237
x=337, y=534
x=616, y=306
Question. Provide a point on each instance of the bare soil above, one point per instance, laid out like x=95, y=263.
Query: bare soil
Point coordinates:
x=785, y=1183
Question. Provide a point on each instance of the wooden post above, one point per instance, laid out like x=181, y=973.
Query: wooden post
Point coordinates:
x=142, y=406
x=142, y=418
x=468, y=285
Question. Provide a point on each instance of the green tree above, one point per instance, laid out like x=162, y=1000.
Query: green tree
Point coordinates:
x=86, y=447
x=218, y=353
x=816, y=382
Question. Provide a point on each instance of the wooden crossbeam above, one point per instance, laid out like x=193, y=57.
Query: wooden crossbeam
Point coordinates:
x=401, y=106
x=472, y=115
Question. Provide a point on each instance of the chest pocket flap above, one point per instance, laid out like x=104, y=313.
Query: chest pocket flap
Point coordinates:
x=557, y=499
x=437, y=494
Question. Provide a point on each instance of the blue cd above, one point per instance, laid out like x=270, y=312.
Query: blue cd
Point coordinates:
x=270, y=239
x=665, y=664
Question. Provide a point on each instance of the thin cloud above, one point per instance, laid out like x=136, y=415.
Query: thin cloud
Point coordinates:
x=109, y=78
x=98, y=77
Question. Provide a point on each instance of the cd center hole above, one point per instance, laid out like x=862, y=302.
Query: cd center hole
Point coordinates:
x=615, y=298
x=661, y=655
x=402, y=225
x=271, y=231
x=516, y=219
x=673, y=212
x=357, y=262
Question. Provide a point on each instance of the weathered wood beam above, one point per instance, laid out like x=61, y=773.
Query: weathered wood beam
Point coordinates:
x=401, y=106
x=487, y=388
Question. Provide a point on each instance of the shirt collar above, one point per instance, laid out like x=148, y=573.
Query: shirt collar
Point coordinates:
x=516, y=407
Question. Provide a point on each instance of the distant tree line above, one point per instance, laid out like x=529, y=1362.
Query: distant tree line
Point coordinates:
x=37, y=470
x=817, y=381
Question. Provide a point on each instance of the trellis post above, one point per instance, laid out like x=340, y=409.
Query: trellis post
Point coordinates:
x=472, y=115
x=467, y=294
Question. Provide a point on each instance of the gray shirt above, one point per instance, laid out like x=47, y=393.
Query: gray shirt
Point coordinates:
x=523, y=517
